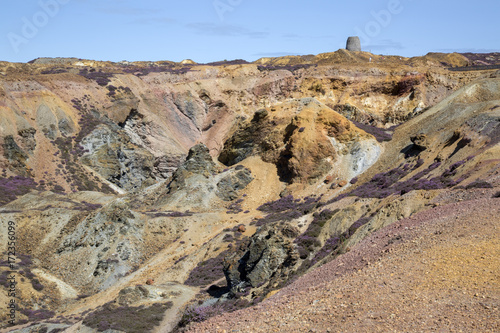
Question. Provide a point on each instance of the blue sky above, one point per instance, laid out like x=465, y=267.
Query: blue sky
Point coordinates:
x=211, y=30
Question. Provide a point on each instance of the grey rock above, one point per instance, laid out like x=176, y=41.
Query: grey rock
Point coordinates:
x=270, y=257
x=193, y=108
x=47, y=121
x=28, y=138
x=54, y=61
x=15, y=155
x=229, y=186
x=131, y=295
x=199, y=160
x=118, y=160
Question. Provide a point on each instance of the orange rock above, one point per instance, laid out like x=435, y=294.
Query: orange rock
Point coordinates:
x=150, y=281
x=242, y=228
x=343, y=183
x=328, y=179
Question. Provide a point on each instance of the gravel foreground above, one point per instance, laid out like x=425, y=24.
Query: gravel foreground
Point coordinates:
x=437, y=271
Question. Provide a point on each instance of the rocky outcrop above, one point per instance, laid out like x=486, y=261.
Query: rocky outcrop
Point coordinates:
x=197, y=183
x=297, y=137
x=28, y=139
x=198, y=162
x=119, y=161
x=15, y=155
x=228, y=187
x=269, y=259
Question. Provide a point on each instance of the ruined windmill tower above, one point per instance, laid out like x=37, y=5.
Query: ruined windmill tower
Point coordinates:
x=353, y=44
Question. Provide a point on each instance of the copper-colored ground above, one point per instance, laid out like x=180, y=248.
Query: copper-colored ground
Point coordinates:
x=437, y=271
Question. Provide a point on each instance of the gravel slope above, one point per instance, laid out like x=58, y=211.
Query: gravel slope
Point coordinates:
x=437, y=271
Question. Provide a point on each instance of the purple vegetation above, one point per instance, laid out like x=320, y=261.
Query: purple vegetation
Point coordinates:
x=54, y=71
x=207, y=271
x=170, y=69
x=14, y=186
x=127, y=319
x=37, y=315
x=201, y=313
x=478, y=183
x=308, y=241
x=99, y=77
x=228, y=63
x=286, y=209
x=235, y=207
x=380, y=134
x=388, y=183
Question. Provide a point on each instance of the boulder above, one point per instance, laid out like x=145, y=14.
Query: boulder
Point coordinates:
x=270, y=256
x=131, y=295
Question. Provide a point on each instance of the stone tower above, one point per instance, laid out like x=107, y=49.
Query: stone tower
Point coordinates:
x=353, y=44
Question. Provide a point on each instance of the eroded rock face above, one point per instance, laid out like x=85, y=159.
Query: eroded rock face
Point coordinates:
x=28, y=139
x=118, y=160
x=197, y=183
x=197, y=162
x=15, y=155
x=109, y=241
x=270, y=257
x=296, y=137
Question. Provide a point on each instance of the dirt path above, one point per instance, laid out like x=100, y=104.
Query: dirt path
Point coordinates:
x=172, y=316
x=438, y=270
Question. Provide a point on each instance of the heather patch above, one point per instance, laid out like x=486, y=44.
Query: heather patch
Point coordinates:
x=169, y=69
x=170, y=214
x=308, y=241
x=291, y=68
x=101, y=78
x=37, y=315
x=235, y=207
x=207, y=272
x=203, y=312
x=388, y=183
x=478, y=183
x=126, y=319
x=286, y=208
x=13, y=187
x=211, y=270
x=380, y=134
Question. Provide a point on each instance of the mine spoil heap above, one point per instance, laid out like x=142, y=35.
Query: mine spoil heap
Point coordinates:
x=299, y=190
